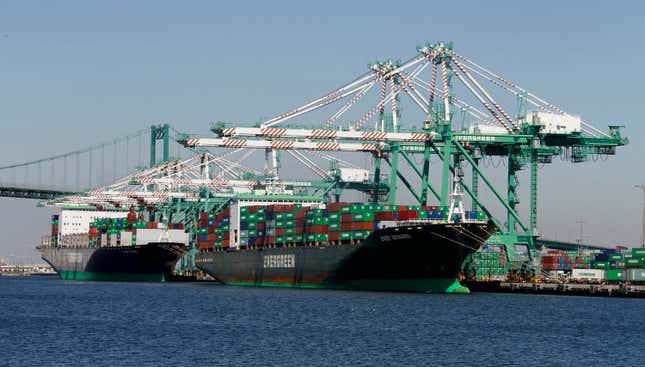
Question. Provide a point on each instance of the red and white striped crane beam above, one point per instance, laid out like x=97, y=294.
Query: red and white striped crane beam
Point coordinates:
x=323, y=134
x=283, y=145
x=219, y=182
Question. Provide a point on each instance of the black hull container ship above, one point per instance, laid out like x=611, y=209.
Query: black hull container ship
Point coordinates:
x=153, y=262
x=398, y=254
x=111, y=246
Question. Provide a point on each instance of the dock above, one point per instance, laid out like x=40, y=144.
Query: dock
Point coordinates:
x=565, y=289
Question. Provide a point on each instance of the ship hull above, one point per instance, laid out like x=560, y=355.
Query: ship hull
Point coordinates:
x=152, y=262
x=423, y=258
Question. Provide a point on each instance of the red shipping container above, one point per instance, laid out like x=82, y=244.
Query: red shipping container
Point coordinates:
x=402, y=208
x=226, y=243
x=261, y=226
x=384, y=216
x=203, y=215
x=334, y=236
x=364, y=226
x=301, y=214
x=211, y=230
x=301, y=223
x=226, y=212
x=345, y=218
x=280, y=232
x=212, y=237
x=407, y=214
x=347, y=226
x=335, y=207
x=226, y=235
x=550, y=260
x=269, y=240
x=301, y=230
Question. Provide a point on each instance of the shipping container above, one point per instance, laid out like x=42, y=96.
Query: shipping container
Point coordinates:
x=596, y=275
x=615, y=275
x=635, y=275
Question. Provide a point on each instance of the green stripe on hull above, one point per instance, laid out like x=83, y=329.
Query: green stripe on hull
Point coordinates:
x=408, y=285
x=112, y=277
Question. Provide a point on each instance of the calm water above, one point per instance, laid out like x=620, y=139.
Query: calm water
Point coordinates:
x=47, y=322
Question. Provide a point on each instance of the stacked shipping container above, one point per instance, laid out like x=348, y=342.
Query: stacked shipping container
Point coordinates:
x=292, y=224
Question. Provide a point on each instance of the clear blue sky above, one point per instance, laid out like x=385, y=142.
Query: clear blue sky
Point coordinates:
x=76, y=72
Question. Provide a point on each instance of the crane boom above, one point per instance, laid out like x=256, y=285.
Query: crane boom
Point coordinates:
x=325, y=134
x=282, y=144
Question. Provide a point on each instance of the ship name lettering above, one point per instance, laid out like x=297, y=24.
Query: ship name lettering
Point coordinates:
x=279, y=261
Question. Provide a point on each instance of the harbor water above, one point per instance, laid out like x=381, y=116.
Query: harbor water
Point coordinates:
x=48, y=322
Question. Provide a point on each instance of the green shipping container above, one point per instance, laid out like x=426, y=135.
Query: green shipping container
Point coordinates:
x=278, y=216
x=290, y=231
x=601, y=265
x=616, y=257
x=346, y=235
x=632, y=262
x=334, y=217
x=322, y=237
x=321, y=220
x=333, y=227
x=363, y=217
x=615, y=274
x=638, y=252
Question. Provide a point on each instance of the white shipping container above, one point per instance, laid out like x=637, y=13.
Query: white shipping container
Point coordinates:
x=588, y=274
x=126, y=238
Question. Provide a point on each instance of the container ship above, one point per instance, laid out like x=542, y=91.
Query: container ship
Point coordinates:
x=353, y=246
x=87, y=244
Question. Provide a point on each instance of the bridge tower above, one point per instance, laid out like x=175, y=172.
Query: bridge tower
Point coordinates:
x=159, y=132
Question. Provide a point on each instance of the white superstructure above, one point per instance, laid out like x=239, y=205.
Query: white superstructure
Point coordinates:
x=73, y=221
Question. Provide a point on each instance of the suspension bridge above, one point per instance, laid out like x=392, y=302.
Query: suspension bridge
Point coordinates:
x=79, y=171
